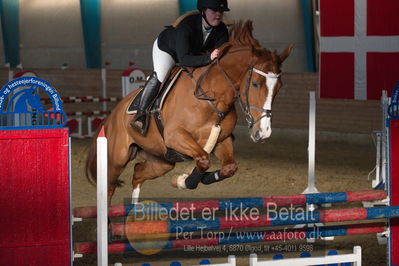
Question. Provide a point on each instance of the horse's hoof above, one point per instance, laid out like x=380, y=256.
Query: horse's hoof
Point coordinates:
x=228, y=170
x=179, y=182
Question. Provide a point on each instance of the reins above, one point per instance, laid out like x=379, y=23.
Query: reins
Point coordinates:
x=245, y=106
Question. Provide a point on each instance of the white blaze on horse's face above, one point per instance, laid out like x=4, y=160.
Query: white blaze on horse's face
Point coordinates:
x=265, y=122
x=265, y=129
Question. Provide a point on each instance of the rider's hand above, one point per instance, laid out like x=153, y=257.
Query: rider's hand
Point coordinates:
x=215, y=53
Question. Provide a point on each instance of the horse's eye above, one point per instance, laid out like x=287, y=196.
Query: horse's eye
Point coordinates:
x=255, y=85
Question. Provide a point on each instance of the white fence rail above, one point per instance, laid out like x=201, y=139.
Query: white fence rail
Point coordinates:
x=355, y=258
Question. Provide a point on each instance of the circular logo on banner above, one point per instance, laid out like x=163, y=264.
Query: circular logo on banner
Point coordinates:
x=25, y=102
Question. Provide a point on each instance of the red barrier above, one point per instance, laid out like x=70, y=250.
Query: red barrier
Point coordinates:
x=35, y=197
x=394, y=165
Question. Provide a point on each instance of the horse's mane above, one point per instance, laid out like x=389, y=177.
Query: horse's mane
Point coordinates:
x=241, y=35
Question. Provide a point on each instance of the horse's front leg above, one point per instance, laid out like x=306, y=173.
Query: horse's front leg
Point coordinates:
x=225, y=153
x=183, y=142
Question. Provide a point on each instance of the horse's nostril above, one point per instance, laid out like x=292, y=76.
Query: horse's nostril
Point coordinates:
x=257, y=135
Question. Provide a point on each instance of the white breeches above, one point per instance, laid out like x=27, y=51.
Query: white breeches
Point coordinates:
x=162, y=61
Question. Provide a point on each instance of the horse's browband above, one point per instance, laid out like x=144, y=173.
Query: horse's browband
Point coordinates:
x=270, y=75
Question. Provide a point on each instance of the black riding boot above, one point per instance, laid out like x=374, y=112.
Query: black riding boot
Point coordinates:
x=140, y=122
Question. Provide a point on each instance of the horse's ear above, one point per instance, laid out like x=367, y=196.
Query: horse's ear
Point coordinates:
x=249, y=25
x=287, y=51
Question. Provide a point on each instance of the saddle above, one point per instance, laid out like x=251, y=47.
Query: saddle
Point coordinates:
x=156, y=106
x=160, y=98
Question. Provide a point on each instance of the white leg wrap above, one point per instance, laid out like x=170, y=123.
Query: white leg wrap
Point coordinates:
x=213, y=137
x=135, y=195
x=181, y=184
x=216, y=176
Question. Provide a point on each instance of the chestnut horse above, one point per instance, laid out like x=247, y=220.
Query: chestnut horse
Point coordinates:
x=199, y=103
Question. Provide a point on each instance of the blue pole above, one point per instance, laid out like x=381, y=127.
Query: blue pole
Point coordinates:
x=309, y=38
x=272, y=218
x=9, y=14
x=91, y=23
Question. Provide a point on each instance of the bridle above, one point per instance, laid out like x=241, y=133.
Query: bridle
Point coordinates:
x=245, y=106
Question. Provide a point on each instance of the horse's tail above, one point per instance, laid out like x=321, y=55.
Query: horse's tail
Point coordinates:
x=91, y=160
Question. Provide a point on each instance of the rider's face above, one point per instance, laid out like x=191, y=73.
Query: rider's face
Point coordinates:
x=214, y=17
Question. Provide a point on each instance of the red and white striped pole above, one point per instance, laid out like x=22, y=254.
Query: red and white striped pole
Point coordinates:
x=102, y=198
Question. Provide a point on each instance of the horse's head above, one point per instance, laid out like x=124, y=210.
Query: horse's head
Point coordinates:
x=258, y=91
x=258, y=73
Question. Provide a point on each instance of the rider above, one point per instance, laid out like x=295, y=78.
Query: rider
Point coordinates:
x=193, y=43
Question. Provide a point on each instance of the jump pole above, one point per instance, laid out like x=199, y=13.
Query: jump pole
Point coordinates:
x=223, y=204
x=254, y=221
x=311, y=161
x=102, y=197
x=239, y=238
x=312, y=145
x=381, y=142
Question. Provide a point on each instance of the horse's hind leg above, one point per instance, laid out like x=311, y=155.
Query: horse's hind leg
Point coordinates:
x=151, y=168
x=114, y=171
x=117, y=162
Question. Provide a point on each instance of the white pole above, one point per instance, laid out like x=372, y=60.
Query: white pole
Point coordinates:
x=312, y=145
x=10, y=72
x=384, y=142
x=378, y=160
x=102, y=198
x=311, y=162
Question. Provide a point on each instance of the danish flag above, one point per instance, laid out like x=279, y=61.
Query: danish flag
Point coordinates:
x=359, y=48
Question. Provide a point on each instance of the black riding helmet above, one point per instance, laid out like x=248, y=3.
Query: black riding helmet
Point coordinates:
x=217, y=5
